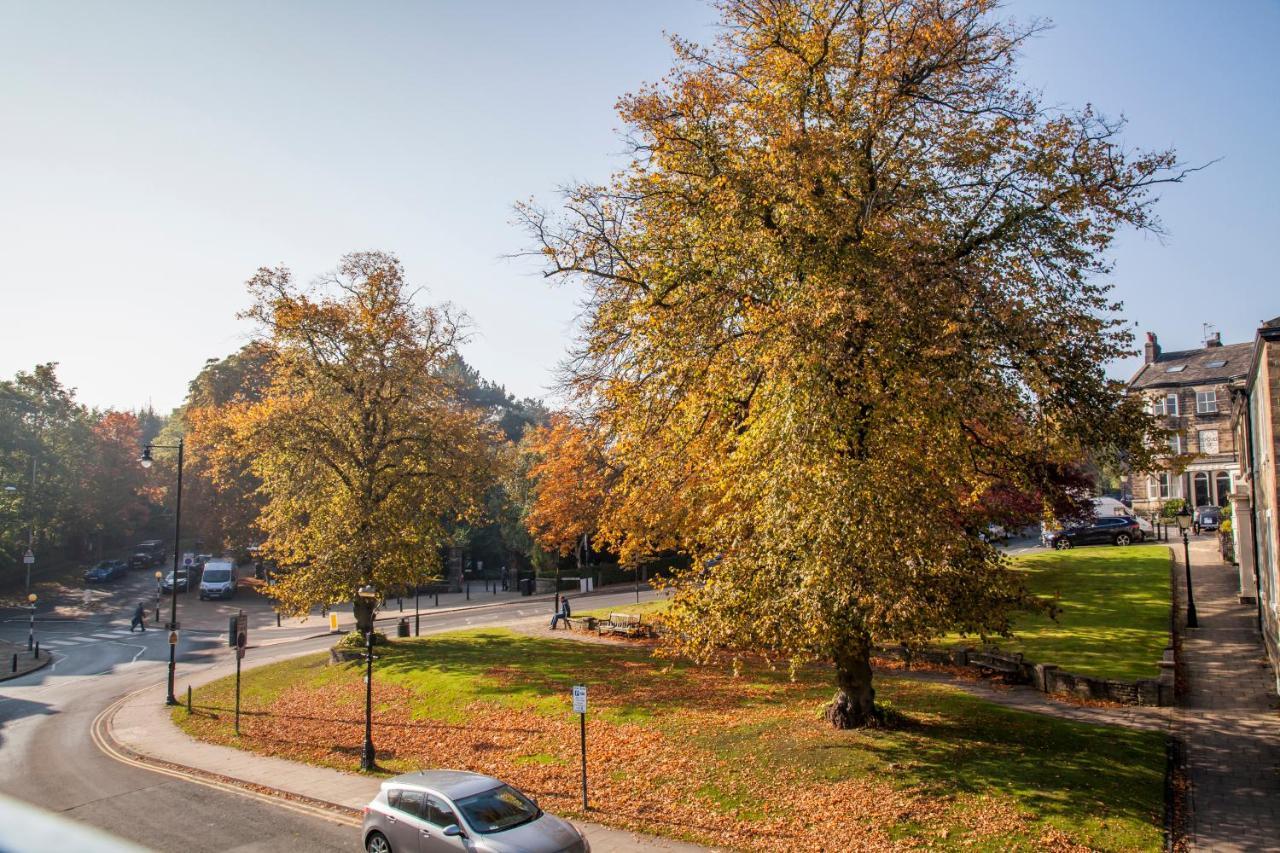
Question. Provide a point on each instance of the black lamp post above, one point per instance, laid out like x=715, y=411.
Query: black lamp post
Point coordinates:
x=368, y=758
x=158, y=588
x=1184, y=523
x=177, y=545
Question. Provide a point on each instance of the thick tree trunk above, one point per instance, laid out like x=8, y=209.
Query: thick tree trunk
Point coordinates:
x=854, y=703
x=363, y=608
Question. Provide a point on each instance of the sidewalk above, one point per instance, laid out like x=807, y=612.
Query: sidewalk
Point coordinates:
x=1228, y=716
x=139, y=729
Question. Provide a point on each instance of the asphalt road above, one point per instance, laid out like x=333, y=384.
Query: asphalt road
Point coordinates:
x=47, y=757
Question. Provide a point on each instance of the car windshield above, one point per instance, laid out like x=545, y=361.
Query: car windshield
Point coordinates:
x=217, y=575
x=497, y=809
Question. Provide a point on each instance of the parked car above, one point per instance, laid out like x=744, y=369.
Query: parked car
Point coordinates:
x=1207, y=518
x=1105, y=507
x=140, y=561
x=153, y=548
x=218, y=579
x=104, y=570
x=184, y=581
x=448, y=810
x=1116, y=530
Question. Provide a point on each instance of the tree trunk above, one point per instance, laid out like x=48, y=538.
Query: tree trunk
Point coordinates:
x=363, y=609
x=854, y=703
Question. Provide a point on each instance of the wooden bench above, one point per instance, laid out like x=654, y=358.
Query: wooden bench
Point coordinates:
x=627, y=624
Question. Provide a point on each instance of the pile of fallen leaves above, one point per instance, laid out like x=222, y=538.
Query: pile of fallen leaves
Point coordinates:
x=663, y=775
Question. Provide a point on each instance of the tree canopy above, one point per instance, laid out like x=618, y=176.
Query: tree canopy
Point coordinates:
x=363, y=446
x=849, y=286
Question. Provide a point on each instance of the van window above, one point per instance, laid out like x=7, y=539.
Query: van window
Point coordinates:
x=217, y=575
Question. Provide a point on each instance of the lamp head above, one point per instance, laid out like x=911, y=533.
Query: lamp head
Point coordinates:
x=159, y=575
x=145, y=460
x=1184, y=518
x=367, y=591
x=32, y=598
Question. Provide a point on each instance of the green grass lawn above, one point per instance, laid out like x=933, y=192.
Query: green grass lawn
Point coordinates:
x=1114, y=618
x=647, y=608
x=693, y=752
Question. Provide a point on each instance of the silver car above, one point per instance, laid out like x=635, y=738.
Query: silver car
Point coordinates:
x=450, y=810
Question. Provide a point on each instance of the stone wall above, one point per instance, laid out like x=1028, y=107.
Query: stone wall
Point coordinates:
x=1048, y=678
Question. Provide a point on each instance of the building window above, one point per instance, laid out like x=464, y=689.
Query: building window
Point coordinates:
x=1206, y=402
x=1175, y=444
x=1160, y=486
x=1166, y=405
x=1208, y=440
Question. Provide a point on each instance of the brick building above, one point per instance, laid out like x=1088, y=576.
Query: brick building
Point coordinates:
x=1255, y=421
x=1189, y=390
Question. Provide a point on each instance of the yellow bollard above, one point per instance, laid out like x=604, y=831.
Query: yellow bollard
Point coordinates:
x=333, y=623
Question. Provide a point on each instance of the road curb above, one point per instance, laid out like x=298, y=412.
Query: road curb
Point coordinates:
x=41, y=663
x=101, y=733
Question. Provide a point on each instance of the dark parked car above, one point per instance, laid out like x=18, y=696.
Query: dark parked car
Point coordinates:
x=140, y=561
x=1208, y=518
x=1114, y=530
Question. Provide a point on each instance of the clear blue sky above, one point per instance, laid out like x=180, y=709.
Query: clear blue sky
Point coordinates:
x=154, y=154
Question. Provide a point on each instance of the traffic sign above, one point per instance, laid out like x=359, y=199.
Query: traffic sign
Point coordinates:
x=28, y=557
x=173, y=638
x=579, y=698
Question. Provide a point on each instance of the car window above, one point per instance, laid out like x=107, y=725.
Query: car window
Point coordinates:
x=497, y=809
x=411, y=802
x=438, y=812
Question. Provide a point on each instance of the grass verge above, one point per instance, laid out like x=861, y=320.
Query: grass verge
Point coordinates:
x=695, y=753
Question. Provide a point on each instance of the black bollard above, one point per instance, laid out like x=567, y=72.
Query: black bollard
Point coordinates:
x=15, y=661
x=437, y=598
x=37, y=654
x=468, y=590
x=277, y=618
x=400, y=601
x=188, y=698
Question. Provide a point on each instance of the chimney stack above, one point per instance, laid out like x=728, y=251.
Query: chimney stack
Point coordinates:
x=1214, y=340
x=1150, y=350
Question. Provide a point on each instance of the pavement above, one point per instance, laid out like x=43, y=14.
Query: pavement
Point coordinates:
x=1227, y=717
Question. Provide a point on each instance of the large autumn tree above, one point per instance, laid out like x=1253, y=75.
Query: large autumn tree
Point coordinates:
x=363, y=447
x=848, y=285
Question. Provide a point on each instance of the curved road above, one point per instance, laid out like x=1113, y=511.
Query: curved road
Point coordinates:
x=48, y=758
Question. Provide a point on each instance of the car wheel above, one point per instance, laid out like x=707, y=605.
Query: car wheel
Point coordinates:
x=377, y=843
x=1122, y=539
x=1062, y=544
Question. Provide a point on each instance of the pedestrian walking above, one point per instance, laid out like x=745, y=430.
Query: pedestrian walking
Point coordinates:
x=139, y=618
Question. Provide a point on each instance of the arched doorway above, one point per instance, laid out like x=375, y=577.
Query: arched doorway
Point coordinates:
x=1222, y=482
x=1200, y=489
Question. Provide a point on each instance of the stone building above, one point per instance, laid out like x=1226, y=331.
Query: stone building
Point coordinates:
x=1255, y=421
x=1188, y=391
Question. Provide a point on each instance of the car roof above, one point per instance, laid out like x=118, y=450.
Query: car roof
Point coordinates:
x=452, y=783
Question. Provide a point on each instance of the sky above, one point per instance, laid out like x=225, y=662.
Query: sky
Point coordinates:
x=153, y=155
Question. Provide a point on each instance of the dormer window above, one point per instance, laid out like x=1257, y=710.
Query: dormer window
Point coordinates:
x=1215, y=364
x=1177, y=368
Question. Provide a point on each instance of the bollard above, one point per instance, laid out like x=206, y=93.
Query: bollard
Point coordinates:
x=15, y=661
x=437, y=598
x=277, y=618
x=37, y=654
x=188, y=698
x=400, y=601
x=468, y=590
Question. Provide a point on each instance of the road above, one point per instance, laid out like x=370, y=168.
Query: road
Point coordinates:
x=47, y=757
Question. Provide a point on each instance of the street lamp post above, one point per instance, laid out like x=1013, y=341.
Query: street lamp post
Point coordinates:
x=1184, y=523
x=368, y=759
x=31, y=630
x=160, y=575
x=177, y=545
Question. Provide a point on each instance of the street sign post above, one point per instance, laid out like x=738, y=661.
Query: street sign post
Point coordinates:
x=28, y=558
x=580, y=708
x=173, y=638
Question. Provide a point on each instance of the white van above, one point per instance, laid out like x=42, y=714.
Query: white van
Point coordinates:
x=218, y=579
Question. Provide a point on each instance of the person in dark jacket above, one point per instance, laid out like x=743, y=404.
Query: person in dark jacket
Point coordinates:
x=563, y=613
x=139, y=618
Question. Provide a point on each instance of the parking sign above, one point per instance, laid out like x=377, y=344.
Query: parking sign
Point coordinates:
x=579, y=698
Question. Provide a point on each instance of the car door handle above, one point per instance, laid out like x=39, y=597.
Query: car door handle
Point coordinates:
x=391, y=818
